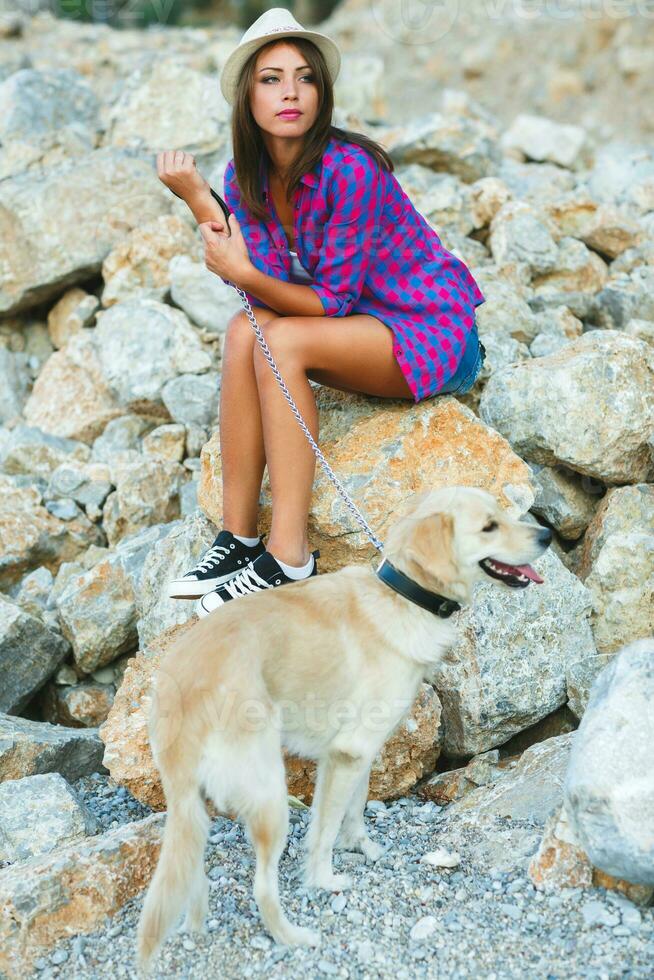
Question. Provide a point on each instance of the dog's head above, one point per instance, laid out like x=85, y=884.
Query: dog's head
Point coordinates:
x=448, y=539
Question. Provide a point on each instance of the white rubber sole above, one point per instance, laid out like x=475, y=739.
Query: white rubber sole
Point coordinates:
x=185, y=589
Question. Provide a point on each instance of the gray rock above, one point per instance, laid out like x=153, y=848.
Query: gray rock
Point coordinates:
x=170, y=558
x=86, y=188
x=29, y=655
x=507, y=670
x=609, y=786
x=39, y=814
x=564, y=499
x=545, y=140
x=98, y=609
x=30, y=747
x=565, y=408
x=15, y=382
x=624, y=297
x=455, y=143
x=126, y=330
x=32, y=451
x=203, y=296
x=41, y=110
x=193, y=399
x=520, y=233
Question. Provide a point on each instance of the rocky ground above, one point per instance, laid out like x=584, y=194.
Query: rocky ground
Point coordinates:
x=402, y=918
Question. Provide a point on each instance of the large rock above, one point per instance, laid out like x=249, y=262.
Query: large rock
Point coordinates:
x=408, y=755
x=171, y=105
x=609, y=786
x=381, y=451
x=455, y=143
x=98, y=609
x=589, y=406
x=30, y=747
x=142, y=344
x=138, y=266
x=39, y=814
x=508, y=667
x=31, y=451
x=73, y=891
x=45, y=111
x=30, y=536
x=29, y=655
x=617, y=565
x=545, y=140
x=44, y=251
x=561, y=863
x=203, y=296
x=147, y=493
x=71, y=397
x=170, y=557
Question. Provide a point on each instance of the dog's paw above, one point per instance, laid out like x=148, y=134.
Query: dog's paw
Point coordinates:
x=329, y=881
x=371, y=850
x=291, y=935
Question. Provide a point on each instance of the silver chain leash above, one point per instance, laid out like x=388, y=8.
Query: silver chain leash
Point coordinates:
x=330, y=473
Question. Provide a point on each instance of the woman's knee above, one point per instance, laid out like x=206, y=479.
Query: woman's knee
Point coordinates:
x=240, y=335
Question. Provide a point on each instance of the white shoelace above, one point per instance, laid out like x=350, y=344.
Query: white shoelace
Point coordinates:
x=212, y=557
x=245, y=582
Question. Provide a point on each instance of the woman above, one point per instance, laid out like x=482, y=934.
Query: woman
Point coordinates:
x=351, y=287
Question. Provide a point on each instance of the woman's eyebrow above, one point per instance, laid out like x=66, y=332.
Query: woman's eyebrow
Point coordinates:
x=270, y=68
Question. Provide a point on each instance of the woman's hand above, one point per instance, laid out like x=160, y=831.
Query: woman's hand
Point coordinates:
x=226, y=254
x=176, y=169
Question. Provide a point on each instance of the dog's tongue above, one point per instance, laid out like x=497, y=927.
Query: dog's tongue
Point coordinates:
x=527, y=570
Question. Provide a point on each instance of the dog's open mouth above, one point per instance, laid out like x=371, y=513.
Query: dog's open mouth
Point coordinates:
x=517, y=576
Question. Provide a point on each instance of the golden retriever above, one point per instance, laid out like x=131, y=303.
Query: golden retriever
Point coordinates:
x=326, y=667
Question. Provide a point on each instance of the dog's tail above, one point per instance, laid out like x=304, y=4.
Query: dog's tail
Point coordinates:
x=179, y=880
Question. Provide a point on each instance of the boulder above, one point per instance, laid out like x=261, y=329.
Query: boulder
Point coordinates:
x=29, y=655
x=38, y=814
x=507, y=669
x=30, y=747
x=609, y=785
x=73, y=891
x=382, y=450
x=589, y=406
x=42, y=251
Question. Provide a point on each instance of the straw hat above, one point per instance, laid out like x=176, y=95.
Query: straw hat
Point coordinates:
x=274, y=23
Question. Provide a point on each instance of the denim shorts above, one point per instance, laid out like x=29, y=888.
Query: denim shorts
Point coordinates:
x=466, y=374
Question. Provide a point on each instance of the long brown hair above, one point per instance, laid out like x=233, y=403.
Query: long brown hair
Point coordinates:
x=248, y=144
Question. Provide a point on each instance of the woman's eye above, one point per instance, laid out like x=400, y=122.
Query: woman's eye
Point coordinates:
x=269, y=77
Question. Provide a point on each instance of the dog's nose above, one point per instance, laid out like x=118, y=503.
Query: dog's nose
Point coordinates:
x=544, y=536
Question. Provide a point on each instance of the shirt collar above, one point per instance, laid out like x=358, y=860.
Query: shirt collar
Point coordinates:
x=311, y=178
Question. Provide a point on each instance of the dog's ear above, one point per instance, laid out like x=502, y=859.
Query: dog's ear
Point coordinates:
x=430, y=555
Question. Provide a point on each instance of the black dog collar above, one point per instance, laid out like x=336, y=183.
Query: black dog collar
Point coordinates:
x=399, y=582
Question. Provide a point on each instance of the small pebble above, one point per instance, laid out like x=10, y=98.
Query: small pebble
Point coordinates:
x=441, y=858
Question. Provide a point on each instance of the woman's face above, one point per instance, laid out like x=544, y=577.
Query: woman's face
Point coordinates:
x=283, y=80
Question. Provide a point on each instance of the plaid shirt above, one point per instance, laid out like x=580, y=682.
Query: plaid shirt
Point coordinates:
x=369, y=251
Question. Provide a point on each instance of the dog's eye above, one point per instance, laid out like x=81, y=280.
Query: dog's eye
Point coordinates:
x=492, y=526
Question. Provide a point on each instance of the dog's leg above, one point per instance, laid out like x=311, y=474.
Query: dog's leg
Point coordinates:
x=180, y=865
x=268, y=829
x=338, y=774
x=354, y=835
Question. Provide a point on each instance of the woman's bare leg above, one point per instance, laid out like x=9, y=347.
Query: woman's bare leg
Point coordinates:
x=241, y=434
x=352, y=353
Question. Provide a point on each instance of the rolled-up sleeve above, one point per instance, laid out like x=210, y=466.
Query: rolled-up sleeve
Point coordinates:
x=232, y=198
x=350, y=234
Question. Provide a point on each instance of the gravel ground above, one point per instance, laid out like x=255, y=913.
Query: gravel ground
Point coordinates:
x=401, y=919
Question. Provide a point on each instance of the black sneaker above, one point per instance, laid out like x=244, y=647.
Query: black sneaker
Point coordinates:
x=226, y=557
x=264, y=573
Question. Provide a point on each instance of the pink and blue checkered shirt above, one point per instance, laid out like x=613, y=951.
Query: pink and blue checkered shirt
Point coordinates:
x=369, y=251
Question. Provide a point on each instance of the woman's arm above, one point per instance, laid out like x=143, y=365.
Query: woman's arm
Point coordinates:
x=287, y=298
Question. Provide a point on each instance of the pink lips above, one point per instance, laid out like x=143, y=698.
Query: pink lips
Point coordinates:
x=289, y=115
